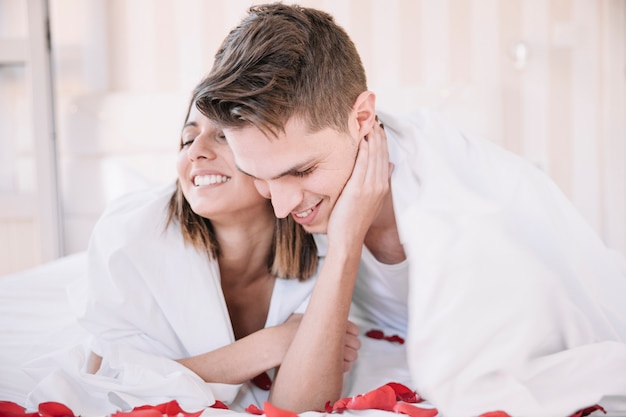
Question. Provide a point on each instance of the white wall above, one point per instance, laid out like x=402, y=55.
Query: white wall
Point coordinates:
x=545, y=79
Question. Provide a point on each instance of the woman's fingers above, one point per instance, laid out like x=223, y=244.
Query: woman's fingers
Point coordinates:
x=352, y=345
x=352, y=328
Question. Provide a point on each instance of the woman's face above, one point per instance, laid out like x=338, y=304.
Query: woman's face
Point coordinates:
x=209, y=179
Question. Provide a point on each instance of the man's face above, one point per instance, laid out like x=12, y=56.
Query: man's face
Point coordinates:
x=302, y=173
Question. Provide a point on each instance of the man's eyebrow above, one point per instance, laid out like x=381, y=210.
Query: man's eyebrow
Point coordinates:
x=189, y=123
x=290, y=171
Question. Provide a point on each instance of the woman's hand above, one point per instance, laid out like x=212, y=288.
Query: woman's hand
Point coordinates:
x=352, y=342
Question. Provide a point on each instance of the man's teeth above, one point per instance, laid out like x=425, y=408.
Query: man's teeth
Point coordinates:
x=304, y=213
x=210, y=179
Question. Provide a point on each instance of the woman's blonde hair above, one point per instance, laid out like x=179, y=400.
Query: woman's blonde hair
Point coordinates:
x=293, y=253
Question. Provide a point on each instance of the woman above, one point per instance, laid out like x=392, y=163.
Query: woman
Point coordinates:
x=218, y=214
x=182, y=298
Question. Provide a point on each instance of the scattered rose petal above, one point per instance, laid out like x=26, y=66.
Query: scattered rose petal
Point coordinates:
x=379, y=334
x=273, y=411
x=327, y=407
x=169, y=409
x=375, y=334
x=253, y=409
x=395, y=338
x=404, y=393
x=139, y=412
x=11, y=409
x=54, y=409
x=413, y=411
x=262, y=381
x=586, y=411
x=495, y=414
x=219, y=404
x=341, y=405
x=382, y=398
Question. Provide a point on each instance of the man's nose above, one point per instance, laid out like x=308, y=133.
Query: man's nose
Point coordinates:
x=285, y=197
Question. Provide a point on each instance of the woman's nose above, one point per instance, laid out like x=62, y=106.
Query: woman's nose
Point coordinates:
x=200, y=149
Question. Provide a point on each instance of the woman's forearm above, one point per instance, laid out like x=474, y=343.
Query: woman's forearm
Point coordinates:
x=245, y=358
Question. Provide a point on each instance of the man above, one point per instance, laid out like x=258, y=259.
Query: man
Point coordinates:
x=508, y=299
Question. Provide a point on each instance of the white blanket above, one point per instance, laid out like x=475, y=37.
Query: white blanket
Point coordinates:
x=514, y=303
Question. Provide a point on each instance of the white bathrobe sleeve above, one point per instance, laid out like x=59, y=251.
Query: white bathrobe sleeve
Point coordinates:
x=514, y=303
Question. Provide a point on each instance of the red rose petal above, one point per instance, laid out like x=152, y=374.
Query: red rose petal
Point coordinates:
x=8, y=409
x=262, y=381
x=273, y=411
x=412, y=411
x=404, y=393
x=143, y=411
x=11, y=409
x=171, y=408
x=495, y=414
x=54, y=409
x=219, y=404
x=395, y=338
x=379, y=334
x=375, y=334
x=382, y=398
x=586, y=411
x=253, y=409
x=341, y=405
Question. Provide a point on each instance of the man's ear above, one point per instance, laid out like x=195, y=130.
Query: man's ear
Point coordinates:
x=364, y=113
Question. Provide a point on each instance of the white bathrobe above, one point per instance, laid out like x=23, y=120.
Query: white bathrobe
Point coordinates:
x=149, y=299
x=514, y=303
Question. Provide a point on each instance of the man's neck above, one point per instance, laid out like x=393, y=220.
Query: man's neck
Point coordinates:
x=382, y=238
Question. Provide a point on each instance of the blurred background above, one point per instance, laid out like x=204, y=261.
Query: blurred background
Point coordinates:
x=93, y=93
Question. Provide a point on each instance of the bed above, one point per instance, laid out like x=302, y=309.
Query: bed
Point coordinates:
x=36, y=319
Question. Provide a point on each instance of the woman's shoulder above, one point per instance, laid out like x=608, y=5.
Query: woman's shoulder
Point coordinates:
x=141, y=199
x=141, y=213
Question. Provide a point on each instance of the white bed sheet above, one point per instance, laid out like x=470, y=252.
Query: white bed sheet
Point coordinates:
x=35, y=319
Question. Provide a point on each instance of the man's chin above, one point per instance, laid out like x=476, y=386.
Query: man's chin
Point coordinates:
x=316, y=228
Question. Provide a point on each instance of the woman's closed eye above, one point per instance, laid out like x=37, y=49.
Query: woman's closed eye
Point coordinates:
x=219, y=138
x=186, y=142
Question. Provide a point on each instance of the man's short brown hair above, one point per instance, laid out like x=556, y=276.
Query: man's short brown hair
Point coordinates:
x=283, y=61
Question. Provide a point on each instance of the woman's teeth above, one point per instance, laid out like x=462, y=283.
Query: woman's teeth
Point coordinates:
x=210, y=179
